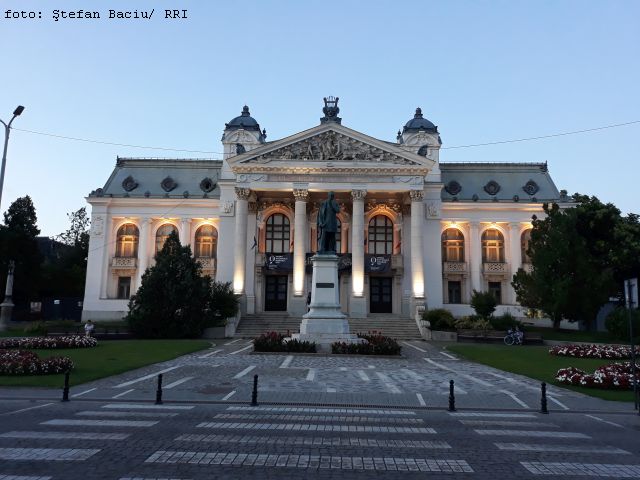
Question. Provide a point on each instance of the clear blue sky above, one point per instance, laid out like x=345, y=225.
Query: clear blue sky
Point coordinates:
x=480, y=70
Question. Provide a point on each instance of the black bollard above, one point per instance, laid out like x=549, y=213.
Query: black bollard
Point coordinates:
x=65, y=390
x=452, y=398
x=159, y=390
x=543, y=398
x=254, y=394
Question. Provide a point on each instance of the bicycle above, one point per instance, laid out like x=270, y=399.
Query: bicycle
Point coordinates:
x=513, y=337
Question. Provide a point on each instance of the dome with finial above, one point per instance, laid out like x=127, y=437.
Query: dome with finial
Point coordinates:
x=418, y=122
x=244, y=121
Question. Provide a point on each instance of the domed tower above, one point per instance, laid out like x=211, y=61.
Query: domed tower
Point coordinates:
x=242, y=134
x=421, y=136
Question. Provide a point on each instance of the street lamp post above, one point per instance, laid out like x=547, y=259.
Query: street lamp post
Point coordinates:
x=7, y=130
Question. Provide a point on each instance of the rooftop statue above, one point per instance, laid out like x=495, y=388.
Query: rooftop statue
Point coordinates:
x=328, y=225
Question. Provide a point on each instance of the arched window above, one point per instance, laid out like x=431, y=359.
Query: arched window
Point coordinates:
x=525, y=238
x=380, y=240
x=339, y=237
x=492, y=246
x=206, y=242
x=162, y=234
x=452, y=245
x=277, y=234
x=127, y=241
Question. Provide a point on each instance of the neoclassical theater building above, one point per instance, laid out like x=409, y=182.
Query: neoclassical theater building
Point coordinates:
x=414, y=231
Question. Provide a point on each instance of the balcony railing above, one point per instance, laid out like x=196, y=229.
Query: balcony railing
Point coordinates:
x=495, y=267
x=124, y=262
x=207, y=263
x=454, y=267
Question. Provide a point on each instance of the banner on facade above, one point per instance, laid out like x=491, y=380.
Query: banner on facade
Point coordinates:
x=279, y=262
x=377, y=263
x=344, y=263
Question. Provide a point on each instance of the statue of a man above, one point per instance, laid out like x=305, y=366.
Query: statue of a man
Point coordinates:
x=328, y=225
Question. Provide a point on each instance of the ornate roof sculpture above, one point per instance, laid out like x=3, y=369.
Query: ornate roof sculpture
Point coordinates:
x=418, y=122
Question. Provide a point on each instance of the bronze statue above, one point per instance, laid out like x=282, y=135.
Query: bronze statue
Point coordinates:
x=328, y=225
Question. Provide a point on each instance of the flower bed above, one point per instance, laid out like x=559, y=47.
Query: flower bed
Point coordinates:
x=71, y=341
x=611, y=352
x=376, y=344
x=616, y=376
x=23, y=362
x=274, y=342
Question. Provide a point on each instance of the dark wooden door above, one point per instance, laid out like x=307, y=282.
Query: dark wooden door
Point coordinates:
x=275, y=297
x=380, y=294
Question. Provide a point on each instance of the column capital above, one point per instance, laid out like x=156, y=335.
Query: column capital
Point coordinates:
x=416, y=195
x=474, y=224
x=301, y=194
x=514, y=225
x=358, y=194
x=186, y=219
x=243, y=193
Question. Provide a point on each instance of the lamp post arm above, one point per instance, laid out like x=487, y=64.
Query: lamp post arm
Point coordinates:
x=7, y=130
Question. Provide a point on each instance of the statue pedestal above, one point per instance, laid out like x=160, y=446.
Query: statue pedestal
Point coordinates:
x=6, y=309
x=325, y=323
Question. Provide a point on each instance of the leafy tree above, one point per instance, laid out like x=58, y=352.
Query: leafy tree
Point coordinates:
x=175, y=300
x=483, y=303
x=18, y=243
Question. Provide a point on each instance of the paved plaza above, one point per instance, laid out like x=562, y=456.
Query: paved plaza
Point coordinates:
x=318, y=416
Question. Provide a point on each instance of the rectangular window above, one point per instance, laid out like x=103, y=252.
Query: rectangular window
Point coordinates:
x=124, y=287
x=455, y=292
x=495, y=288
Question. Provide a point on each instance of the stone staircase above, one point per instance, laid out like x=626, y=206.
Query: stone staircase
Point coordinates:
x=251, y=326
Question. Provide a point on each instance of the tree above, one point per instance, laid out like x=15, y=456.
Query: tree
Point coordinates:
x=579, y=257
x=483, y=303
x=18, y=243
x=77, y=235
x=175, y=300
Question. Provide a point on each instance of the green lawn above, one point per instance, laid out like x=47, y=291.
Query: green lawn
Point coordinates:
x=536, y=362
x=575, y=335
x=110, y=357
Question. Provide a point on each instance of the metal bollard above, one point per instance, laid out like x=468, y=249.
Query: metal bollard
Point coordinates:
x=159, y=390
x=254, y=394
x=452, y=398
x=543, y=398
x=65, y=390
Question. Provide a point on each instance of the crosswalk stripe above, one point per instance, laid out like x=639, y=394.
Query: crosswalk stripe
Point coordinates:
x=287, y=361
x=323, y=417
x=146, y=406
x=421, y=400
x=582, y=448
x=241, y=350
x=392, y=387
x=122, y=394
x=233, y=341
x=48, y=454
x=119, y=414
x=577, y=469
x=414, y=347
x=362, y=374
x=469, y=377
x=245, y=371
x=178, y=382
x=146, y=377
x=515, y=398
x=366, y=411
x=83, y=393
x=311, y=375
x=65, y=435
x=229, y=395
x=313, y=427
x=101, y=423
x=206, y=355
x=532, y=433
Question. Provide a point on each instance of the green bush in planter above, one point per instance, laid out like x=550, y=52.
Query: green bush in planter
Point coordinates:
x=440, y=319
x=483, y=303
x=472, y=322
x=504, y=322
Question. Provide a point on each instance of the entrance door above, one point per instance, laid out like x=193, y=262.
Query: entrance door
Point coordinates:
x=275, y=297
x=380, y=294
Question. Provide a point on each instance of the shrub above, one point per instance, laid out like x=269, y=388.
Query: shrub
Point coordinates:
x=71, y=341
x=440, y=319
x=617, y=323
x=504, y=322
x=483, y=303
x=23, y=362
x=472, y=322
x=376, y=344
x=36, y=328
x=275, y=342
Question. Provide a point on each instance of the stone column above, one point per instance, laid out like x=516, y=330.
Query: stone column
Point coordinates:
x=417, y=261
x=143, y=249
x=298, y=303
x=108, y=252
x=475, y=262
x=515, y=260
x=240, y=253
x=7, y=305
x=358, y=300
x=185, y=231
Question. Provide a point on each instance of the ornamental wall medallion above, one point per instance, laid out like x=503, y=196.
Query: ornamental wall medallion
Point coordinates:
x=97, y=226
x=453, y=188
x=129, y=184
x=492, y=187
x=168, y=184
x=207, y=185
x=531, y=187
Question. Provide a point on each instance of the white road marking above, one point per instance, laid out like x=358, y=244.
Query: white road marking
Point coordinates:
x=345, y=410
x=343, y=369
x=604, y=421
x=458, y=390
x=47, y=454
x=412, y=374
x=82, y=393
x=583, y=469
x=362, y=374
x=146, y=377
x=314, y=427
x=388, y=383
x=101, y=423
x=492, y=415
x=146, y=406
x=413, y=346
x=287, y=361
x=558, y=402
x=515, y=398
x=421, y=400
x=449, y=356
x=469, y=377
x=311, y=375
x=520, y=383
x=123, y=393
x=242, y=349
x=331, y=390
x=65, y=436
x=124, y=414
x=177, y=382
x=371, y=366
x=245, y=371
x=232, y=341
x=545, y=447
x=209, y=354
x=531, y=433
x=29, y=408
x=229, y=395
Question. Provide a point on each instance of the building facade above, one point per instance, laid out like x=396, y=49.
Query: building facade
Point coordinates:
x=413, y=231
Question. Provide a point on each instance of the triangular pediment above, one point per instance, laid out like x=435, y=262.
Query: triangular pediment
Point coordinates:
x=331, y=145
